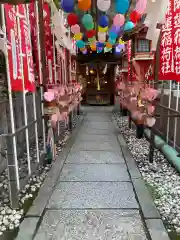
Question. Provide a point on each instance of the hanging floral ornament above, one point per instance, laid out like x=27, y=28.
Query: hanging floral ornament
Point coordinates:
x=135, y=16
x=75, y=29
x=72, y=19
x=103, y=21
x=78, y=36
x=67, y=5
x=121, y=6
x=84, y=5
x=91, y=33
x=141, y=6
x=104, y=5
x=103, y=30
x=101, y=36
x=128, y=26
x=119, y=20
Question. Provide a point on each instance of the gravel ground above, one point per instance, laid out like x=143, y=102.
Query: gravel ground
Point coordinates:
x=10, y=219
x=161, y=178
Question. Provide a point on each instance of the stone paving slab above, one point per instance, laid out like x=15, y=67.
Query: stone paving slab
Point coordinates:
x=98, y=125
x=93, y=195
x=94, y=157
x=100, y=138
x=94, y=172
x=96, y=146
x=97, y=131
x=91, y=225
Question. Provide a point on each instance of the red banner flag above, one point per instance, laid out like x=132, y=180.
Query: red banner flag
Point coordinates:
x=13, y=48
x=49, y=44
x=28, y=65
x=170, y=44
x=34, y=38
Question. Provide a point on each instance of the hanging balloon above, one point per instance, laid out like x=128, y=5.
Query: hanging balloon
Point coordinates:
x=106, y=49
x=103, y=30
x=108, y=45
x=141, y=6
x=121, y=6
x=115, y=29
x=67, y=6
x=100, y=44
x=78, y=36
x=99, y=50
x=119, y=20
x=84, y=5
x=72, y=19
x=112, y=41
x=89, y=26
x=90, y=33
x=93, y=47
x=75, y=29
x=101, y=36
x=120, y=48
x=113, y=35
x=121, y=41
x=135, y=17
x=104, y=5
x=84, y=52
x=80, y=44
x=103, y=21
x=87, y=19
x=128, y=26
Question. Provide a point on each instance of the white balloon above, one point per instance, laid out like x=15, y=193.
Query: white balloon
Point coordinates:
x=103, y=5
x=101, y=37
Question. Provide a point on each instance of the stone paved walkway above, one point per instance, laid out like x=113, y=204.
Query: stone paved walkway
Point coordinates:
x=95, y=195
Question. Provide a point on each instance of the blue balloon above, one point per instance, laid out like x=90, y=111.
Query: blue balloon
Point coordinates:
x=128, y=26
x=121, y=6
x=67, y=5
x=80, y=44
x=100, y=44
x=113, y=34
x=103, y=21
x=115, y=29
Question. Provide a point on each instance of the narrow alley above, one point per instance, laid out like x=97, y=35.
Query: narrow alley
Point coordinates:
x=98, y=194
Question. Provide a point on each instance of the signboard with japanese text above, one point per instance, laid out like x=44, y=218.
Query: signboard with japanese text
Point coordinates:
x=129, y=59
x=170, y=43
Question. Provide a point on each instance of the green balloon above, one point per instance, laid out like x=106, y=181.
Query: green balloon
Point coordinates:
x=89, y=26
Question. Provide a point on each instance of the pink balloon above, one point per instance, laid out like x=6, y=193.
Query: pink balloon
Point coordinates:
x=119, y=20
x=75, y=29
x=141, y=6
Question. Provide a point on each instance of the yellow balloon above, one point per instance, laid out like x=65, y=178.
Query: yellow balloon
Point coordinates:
x=100, y=29
x=84, y=5
x=78, y=36
x=121, y=41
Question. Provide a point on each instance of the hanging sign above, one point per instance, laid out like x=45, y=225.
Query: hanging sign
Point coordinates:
x=129, y=59
x=28, y=65
x=13, y=48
